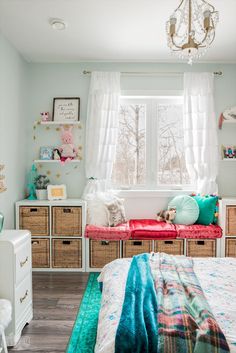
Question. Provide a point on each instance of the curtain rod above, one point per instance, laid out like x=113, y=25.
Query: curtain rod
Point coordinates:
x=217, y=73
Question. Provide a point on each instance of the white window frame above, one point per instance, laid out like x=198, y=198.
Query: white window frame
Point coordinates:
x=151, y=141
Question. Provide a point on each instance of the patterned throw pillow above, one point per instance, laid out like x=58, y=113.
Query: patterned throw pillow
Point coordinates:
x=208, y=207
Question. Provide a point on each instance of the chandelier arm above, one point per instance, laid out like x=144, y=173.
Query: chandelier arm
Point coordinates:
x=173, y=42
x=205, y=37
x=179, y=6
x=207, y=3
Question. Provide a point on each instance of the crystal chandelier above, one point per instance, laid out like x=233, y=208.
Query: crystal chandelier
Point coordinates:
x=191, y=29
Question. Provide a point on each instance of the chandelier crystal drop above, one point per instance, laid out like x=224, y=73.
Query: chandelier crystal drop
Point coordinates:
x=191, y=29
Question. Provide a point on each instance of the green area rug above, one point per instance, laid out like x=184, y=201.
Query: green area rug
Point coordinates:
x=83, y=337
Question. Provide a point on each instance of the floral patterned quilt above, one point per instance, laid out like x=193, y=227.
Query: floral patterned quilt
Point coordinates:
x=217, y=278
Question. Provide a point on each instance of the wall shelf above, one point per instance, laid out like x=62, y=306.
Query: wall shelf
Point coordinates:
x=59, y=123
x=56, y=161
x=228, y=160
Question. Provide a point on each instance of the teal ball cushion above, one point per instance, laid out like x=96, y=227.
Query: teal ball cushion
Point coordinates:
x=187, y=209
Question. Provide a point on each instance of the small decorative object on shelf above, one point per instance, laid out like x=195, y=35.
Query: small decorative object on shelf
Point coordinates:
x=45, y=116
x=2, y=179
x=1, y=221
x=68, y=150
x=41, y=183
x=56, y=192
x=30, y=183
x=46, y=152
x=228, y=152
x=66, y=110
x=56, y=154
x=228, y=116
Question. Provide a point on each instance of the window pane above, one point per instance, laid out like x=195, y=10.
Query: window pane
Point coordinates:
x=171, y=162
x=129, y=167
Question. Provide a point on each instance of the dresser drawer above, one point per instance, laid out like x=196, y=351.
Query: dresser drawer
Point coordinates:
x=23, y=262
x=23, y=296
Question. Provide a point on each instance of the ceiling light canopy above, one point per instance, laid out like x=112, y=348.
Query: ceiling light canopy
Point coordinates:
x=191, y=29
x=57, y=24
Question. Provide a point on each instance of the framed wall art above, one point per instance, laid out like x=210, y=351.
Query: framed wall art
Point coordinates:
x=57, y=192
x=66, y=110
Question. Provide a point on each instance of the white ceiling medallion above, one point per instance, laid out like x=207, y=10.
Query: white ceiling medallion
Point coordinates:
x=57, y=24
x=191, y=29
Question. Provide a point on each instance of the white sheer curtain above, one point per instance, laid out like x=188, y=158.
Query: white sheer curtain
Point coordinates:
x=200, y=131
x=101, y=130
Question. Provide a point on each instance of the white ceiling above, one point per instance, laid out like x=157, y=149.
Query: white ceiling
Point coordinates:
x=105, y=30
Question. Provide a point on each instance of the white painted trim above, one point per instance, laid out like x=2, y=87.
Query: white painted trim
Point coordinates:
x=178, y=94
x=151, y=193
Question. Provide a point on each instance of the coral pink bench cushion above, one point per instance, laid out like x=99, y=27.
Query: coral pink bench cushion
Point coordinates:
x=120, y=232
x=198, y=231
x=151, y=229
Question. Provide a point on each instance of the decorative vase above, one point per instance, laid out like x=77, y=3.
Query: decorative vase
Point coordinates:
x=1, y=221
x=42, y=194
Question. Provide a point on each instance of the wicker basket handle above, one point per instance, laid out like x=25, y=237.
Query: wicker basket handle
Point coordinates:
x=168, y=241
x=137, y=243
x=200, y=242
x=66, y=242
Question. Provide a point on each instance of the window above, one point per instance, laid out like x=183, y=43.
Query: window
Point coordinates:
x=150, y=150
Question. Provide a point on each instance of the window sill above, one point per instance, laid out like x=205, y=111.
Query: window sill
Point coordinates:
x=152, y=193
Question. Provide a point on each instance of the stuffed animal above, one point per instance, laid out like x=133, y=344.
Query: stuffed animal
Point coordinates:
x=56, y=154
x=167, y=216
x=45, y=116
x=68, y=150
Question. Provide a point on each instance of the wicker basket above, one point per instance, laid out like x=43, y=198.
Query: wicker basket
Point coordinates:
x=66, y=253
x=40, y=253
x=201, y=248
x=135, y=247
x=231, y=220
x=67, y=221
x=103, y=252
x=173, y=247
x=230, y=250
x=35, y=219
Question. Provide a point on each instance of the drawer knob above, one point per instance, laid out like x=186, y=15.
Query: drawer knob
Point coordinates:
x=22, y=263
x=24, y=297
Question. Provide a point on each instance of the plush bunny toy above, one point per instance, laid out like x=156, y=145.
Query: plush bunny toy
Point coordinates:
x=68, y=150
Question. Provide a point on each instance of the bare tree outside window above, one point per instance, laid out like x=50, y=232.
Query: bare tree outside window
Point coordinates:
x=129, y=167
x=170, y=155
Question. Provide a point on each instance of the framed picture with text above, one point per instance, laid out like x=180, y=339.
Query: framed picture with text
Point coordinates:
x=66, y=110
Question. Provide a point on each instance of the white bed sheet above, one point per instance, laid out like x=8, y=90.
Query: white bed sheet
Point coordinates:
x=217, y=278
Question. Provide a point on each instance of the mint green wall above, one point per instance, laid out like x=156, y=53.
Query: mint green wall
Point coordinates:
x=55, y=80
x=27, y=89
x=13, y=122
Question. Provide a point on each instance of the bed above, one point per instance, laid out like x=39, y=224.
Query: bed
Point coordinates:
x=217, y=280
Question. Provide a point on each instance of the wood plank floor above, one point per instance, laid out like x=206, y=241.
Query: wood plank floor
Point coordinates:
x=56, y=299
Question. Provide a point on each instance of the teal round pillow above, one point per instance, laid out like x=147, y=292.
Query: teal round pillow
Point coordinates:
x=187, y=209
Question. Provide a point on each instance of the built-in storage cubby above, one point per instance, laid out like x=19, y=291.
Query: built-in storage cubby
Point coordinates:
x=230, y=221
x=135, y=247
x=57, y=232
x=34, y=218
x=201, y=248
x=40, y=253
x=103, y=251
x=172, y=247
x=228, y=224
x=66, y=253
x=230, y=248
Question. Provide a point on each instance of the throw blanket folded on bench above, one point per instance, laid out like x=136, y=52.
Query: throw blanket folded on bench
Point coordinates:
x=165, y=310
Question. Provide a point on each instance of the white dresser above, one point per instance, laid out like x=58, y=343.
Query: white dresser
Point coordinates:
x=16, y=279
